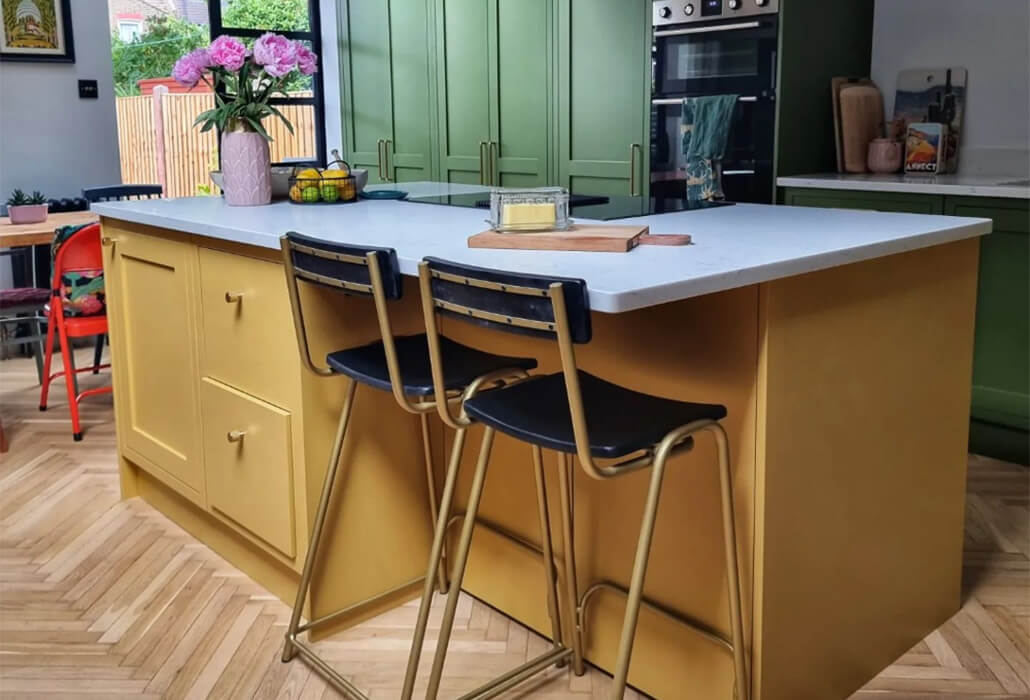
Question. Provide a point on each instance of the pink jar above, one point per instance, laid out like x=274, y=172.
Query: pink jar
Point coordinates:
x=884, y=155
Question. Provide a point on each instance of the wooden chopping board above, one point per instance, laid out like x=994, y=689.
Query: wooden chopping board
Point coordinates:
x=836, y=85
x=584, y=237
x=861, y=113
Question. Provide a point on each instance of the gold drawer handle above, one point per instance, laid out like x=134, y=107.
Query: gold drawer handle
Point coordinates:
x=233, y=297
x=107, y=240
x=235, y=435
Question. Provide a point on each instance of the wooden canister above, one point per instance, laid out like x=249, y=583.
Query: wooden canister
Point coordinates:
x=861, y=112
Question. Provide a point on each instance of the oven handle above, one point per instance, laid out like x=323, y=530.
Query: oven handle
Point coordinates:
x=705, y=30
x=679, y=100
x=738, y=172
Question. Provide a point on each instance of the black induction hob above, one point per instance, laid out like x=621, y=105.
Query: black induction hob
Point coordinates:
x=598, y=208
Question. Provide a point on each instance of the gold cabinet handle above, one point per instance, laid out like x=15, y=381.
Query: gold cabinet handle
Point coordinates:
x=482, y=162
x=379, y=158
x=387, y=147
x=494, y=179
x=634, y=148
x=235, y=435
x=233, y=297
x=107, y=240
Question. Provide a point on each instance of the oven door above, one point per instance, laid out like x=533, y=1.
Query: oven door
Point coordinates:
x=716, y=59
x=747, y=166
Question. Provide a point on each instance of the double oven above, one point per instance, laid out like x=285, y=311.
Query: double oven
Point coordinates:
x=715, y=47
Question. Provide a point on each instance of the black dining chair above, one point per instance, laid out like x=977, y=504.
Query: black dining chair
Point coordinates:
x=115, y=193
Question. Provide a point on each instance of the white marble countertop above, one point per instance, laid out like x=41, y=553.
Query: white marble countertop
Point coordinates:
x=732, y=246
x=1012, y=186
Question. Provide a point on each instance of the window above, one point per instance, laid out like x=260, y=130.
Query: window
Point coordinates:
x=129, y=29
x=305, y=107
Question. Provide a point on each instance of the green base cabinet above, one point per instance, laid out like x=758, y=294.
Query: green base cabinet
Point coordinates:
x=1000, y=408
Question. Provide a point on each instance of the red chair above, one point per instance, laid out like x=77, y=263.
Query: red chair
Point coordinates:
x=79, y=253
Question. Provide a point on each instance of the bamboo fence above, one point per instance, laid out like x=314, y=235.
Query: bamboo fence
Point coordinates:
x=150, y=134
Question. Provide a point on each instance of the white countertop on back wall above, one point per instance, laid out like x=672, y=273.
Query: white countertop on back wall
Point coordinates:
x=732, y=246
x=1012, y=186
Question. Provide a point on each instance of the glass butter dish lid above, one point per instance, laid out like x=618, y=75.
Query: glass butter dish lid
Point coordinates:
x=531, y=209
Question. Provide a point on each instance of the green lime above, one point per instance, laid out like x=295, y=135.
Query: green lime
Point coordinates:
x=330, y=193
x=310, y=194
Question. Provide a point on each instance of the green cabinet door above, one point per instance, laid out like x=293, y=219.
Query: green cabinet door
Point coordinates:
x=386, y=61
x=877, y=201
x=604, y=95
x=463, y=79
x=1001, y=369
x=521, y=51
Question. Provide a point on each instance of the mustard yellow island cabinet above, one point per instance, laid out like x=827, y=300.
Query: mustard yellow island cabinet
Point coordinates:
x=847, y=386
x=219, y=429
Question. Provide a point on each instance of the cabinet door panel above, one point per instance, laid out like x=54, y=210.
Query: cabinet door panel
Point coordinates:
x=411, y=140
x=603, y=92
x=522, y=38
x=150, y=282
x=366, y=81
x=464, y=85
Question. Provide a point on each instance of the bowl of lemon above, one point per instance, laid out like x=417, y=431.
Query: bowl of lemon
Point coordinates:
x=335, y=184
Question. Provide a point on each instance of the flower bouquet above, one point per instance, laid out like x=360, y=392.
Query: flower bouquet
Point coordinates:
x=248, y=79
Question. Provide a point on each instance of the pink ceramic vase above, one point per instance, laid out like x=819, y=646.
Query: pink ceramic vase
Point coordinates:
x=246, y=168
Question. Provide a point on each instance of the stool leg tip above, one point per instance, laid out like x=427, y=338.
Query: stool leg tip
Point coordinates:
x=77, y=437
x=42, y=407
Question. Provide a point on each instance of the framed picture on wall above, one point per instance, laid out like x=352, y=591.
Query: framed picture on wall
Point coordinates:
x=36, y=30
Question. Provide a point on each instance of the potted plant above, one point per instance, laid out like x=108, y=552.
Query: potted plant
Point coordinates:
x=27, y=209
x=247, y=79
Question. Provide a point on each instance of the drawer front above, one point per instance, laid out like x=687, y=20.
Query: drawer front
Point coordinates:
x=248, y=460
x=248, y=340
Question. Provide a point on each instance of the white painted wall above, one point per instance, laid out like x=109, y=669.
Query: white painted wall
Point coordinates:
x=989, y=38
x=331, y=77
x=51, y=140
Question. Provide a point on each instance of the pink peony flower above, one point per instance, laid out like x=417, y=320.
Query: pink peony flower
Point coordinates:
x=276, y=53
x=190, y=68
x=307, y=61
x=228, y=53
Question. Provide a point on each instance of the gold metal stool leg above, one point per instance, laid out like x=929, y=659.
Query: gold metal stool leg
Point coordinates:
x=290, y=649
x=636, y=588
x=550, y=574
x=732, y=565
x=565, y=486
x=435, y=561
x=427, y=446
x=460, y=561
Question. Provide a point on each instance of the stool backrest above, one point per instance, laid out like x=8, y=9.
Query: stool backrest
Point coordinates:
x=78, y=253
x=116, y=192
x=552, y=307
x=365, y=271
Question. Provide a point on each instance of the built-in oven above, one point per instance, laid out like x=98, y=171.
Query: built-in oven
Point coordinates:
x=715, y=47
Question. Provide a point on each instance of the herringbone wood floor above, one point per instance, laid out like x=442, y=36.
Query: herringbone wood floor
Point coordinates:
x=107, y=598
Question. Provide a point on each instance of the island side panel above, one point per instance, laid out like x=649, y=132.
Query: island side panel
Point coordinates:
x=863, y=417
x=702, y=349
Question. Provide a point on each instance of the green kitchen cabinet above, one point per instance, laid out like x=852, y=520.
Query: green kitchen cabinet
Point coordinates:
x=386, y=59
x=494, y=71
x=604, y=96
x=1000, y=409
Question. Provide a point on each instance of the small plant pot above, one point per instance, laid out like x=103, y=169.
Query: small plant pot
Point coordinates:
x=28, y=213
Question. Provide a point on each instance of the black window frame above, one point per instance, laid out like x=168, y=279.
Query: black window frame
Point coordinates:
x=314, y=38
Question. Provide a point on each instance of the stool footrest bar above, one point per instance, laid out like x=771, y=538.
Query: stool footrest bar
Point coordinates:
x=360, y=604
x=517, y=675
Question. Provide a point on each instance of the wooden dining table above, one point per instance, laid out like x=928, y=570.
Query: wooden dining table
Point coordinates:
x=16, y=235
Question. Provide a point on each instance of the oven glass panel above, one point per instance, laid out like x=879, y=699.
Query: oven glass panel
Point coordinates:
x=690, y=60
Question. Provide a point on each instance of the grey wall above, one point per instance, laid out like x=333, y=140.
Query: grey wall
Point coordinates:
x=331, y=77
x=989, y=38
x=50, y=139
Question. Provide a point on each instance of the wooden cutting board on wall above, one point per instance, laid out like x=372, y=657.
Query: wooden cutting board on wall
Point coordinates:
x=583, y=237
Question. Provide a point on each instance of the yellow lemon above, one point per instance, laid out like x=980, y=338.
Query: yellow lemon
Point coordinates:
x=309, y=173
x=334, y=174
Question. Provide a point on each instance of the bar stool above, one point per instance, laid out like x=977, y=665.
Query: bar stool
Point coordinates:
x=396, y=364
x=628, y=429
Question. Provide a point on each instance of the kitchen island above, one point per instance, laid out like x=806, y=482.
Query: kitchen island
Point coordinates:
x=840, y=342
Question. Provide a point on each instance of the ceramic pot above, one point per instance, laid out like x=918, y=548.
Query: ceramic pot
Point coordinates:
x=246, y=168
x=884, y=156
x=28, y=213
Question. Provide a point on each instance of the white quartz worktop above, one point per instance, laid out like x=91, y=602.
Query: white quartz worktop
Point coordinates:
x=1012, y=186
x=732, y=246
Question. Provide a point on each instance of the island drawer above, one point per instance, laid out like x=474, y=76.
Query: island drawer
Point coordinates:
x=248, y=462
x=248, y=340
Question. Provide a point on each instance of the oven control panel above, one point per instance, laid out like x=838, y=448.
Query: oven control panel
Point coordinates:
x=665, y=12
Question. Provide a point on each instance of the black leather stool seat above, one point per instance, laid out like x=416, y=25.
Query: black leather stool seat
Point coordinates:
x=619, y=420
x=462, y=364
